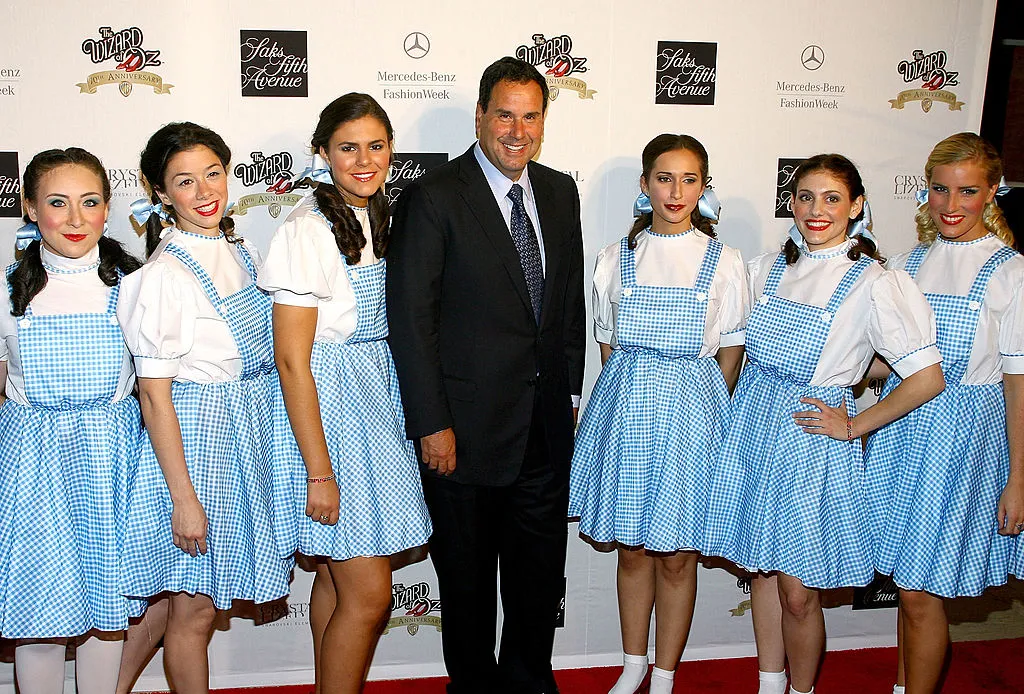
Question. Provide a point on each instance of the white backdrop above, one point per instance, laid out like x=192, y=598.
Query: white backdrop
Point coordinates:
x=798, y=77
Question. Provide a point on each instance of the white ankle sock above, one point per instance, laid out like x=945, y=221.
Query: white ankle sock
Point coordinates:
x=772, y=682
x=634, y=669
x=898, y=689
x=39, y=668
x=794, y=691
x=662, y=681
x=97, y=663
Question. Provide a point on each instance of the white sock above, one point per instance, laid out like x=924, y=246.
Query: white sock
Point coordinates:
x=97, y=664
x=898, y=689
x=772, y=682
x=634, y=669
x=39, y=668
x=794, y=691
x=662, y=680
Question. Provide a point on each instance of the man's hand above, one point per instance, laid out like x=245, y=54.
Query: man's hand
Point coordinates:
x=438, y=451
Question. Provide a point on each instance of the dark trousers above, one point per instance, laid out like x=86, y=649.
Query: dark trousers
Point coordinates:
x=520, y=530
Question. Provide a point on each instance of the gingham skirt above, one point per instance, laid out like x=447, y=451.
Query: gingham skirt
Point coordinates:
x=63, y=482
x=785, y=500
x=229, y=430
x=934, y=480
x=382, y=509
x=646, y=443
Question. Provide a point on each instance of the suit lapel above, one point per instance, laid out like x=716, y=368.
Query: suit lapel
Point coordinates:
x=480, y=200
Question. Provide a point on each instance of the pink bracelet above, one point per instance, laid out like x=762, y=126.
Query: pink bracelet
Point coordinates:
x=849, y=428
x=317, y=480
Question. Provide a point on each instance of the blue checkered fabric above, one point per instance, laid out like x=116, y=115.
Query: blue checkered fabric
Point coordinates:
x=525, y=238
x=654, y=422
x=1017, y=557
x=781, y=499
x=935, y=475
x=231, y=431
x=382, y=509
x=65, y=463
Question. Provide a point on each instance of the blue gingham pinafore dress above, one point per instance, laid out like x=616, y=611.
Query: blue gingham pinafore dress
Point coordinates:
x=935, y=475
x=230, y=431
x=382, y=509
x=655, y=420
x=65, y=463
x=782, y=499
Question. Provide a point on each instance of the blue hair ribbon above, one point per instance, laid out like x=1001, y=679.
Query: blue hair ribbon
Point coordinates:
x=642, y=205
x=708, y=204
x=862, y=227
x=143, y=209
x=25, y=235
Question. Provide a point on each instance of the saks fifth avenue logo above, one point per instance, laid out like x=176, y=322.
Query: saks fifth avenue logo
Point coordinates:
x=406, y=168
x=555, y=54
x=274, y=63
x=273, y=171
x=930, y=71
x=784, y=189
x=881, y=592
x=10, y=185
x=418, y=607
x=685, y=72
x=130, y=59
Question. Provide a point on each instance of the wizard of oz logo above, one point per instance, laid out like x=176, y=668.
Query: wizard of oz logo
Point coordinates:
x=130, y=59
x=418, y=606
x=933, y=79
x=556, y=55
x=273, y=171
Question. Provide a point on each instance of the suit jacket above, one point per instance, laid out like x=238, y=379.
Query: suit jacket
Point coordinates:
x=469, y=353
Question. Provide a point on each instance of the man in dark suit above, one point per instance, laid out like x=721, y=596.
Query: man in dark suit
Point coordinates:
x=486, y=312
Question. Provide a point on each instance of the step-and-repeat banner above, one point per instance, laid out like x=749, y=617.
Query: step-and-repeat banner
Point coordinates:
x=761, y=83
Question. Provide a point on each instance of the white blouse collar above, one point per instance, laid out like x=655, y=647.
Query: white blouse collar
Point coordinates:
x=680, y=235
x=948, y=242
x=53, y=262
x=827, y=253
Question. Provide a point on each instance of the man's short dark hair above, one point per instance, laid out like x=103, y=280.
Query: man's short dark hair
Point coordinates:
x=512, y=70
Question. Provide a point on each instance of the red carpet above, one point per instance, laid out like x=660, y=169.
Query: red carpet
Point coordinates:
x=976, y=666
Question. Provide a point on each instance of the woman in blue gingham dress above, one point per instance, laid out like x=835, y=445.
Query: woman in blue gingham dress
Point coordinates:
x=787, y=493
x=69, y=430
x=946, y=485
x=357, y=492
x=207, y=518
x=669, y=305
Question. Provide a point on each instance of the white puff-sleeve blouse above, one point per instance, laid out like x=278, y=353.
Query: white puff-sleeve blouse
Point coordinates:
x=305, y=268
x=169, y=323
x=674, y=261
x=884, y=312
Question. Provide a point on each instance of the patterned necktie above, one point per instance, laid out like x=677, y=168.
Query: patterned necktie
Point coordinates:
x=525, y=239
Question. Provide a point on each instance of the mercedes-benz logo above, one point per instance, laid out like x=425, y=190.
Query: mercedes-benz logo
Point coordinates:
x=812, y=58
x=416, y=45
